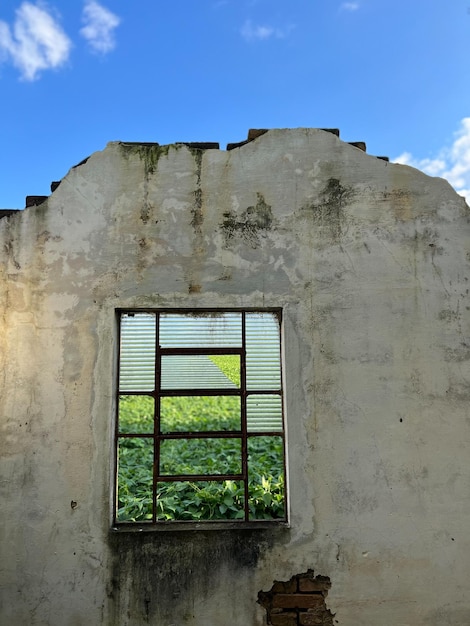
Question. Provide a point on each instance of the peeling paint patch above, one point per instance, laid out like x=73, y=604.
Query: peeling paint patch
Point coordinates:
x=194, y=288
x=253, y=222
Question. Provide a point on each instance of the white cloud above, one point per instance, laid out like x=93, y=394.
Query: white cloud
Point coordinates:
x=253, y=32
x=350, y=6
x=99, y=26
x=36, y=42
x=452, y=163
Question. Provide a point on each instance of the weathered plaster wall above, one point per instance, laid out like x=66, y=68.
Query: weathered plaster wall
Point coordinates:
x=370, y=262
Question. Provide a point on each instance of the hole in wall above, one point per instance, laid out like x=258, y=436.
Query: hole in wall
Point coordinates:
x=299, y=601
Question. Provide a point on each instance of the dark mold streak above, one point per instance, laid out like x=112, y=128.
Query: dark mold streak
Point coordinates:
x=160, y=576
x=254, y=222
x=329, y=212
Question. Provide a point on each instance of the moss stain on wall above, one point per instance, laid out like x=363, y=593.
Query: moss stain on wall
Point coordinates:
x=149, y=153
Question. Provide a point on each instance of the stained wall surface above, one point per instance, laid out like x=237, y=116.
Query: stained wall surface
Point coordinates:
x=370, y=263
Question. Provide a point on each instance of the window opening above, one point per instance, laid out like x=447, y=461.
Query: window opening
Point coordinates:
x=199, y=429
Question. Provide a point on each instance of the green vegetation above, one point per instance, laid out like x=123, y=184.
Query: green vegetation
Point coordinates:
x=149, y=153
x=229, y=364
x=196, y=500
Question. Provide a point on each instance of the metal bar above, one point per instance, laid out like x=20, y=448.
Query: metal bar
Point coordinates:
x=199, y=392
x=199, y=351
x=244, y=424
x=115, y=488
x=156, y=419
x=191, y=524
x=266, y=433
x=281, y=362
x=137, y=393
x=173, y=478
x=203, y=392
x=195, y=312
x=203, y=434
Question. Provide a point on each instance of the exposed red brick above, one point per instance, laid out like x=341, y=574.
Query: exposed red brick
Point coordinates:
x=297, y=600
x=239, y=144
x=284, y=619
x=34, y=200
x=200, y=145
x=311, y=619
x=7, y=212
x=253, y=133
x=358, y=144
x=303, y=593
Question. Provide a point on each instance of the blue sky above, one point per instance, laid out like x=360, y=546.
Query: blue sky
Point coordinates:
x=75, y=74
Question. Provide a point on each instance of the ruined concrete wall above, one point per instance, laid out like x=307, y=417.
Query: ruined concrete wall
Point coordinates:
x=370, y=262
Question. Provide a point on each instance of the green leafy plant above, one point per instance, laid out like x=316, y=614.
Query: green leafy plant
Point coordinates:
x=187, y=499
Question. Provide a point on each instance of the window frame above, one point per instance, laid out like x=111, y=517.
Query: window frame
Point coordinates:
x=157, y=437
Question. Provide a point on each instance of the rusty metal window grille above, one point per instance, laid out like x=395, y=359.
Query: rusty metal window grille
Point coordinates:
x=199, y=425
